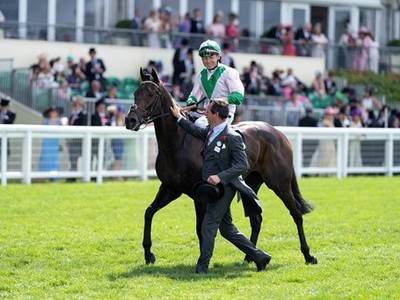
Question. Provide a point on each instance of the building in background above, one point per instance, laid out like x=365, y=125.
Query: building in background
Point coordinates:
x=256, y=16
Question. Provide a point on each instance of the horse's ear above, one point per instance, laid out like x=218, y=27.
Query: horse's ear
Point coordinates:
x=155, y=77
x=142, y=75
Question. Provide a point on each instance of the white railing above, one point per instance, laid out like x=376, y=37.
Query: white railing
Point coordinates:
x=336, y=152
x=23, y=145
x=356, y=150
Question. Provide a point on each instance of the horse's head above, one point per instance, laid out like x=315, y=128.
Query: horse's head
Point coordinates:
x=148, y=104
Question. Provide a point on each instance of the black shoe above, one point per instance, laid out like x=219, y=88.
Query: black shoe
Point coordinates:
x=201, y=271
x=262, y=264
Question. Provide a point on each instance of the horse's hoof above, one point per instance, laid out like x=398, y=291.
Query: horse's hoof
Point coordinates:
x=312, y=261
x=248, y=259
x=151, y=259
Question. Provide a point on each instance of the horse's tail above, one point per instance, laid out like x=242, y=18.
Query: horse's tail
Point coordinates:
x=302, y=205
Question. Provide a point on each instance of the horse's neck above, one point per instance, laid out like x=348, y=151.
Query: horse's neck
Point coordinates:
x=169, y=137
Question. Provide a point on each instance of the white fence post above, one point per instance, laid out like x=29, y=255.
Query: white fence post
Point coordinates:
x=27, y=158
x=4, y=160
x=87, y=155
x=389, y=155
x=100, y=160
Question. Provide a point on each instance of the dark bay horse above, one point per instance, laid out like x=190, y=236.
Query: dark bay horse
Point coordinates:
x=179, y=162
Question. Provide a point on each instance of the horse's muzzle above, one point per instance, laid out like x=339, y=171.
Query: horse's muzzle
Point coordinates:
x=131, y=123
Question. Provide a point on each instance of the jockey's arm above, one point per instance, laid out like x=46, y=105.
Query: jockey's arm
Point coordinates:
x=236, y=88
x=235, y=98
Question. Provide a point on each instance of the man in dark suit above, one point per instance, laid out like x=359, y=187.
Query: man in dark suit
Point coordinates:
x=309, y=146
x=95, y=68
x=197, y=27
x=304, y=40
x=77, y=118
x=224, y=161
x=101, y=117
x=6, y=117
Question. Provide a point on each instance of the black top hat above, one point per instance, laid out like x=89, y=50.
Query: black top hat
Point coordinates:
x=92, y=50
x=207, y=193
x=4, y=102
x=99, y=102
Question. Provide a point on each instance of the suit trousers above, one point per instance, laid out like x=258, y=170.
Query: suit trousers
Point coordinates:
x=218, y=216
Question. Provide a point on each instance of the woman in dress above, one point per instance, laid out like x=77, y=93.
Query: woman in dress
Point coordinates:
x=319, y=41
x=325, y=155
x=50, y=152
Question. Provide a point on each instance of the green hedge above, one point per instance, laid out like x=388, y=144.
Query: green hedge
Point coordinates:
x=385, y=84
x=394, y=43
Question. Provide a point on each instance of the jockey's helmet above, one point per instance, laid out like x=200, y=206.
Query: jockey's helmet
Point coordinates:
x=209, y=48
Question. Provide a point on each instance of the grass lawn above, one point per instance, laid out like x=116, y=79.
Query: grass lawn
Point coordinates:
x=81, y=240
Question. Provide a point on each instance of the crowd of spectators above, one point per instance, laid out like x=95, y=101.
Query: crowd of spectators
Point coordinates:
x=71, y=79
x=358, y=50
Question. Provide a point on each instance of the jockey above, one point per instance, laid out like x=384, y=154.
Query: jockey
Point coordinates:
x=216, y=80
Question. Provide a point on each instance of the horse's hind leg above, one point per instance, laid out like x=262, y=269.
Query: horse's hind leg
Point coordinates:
x=163, y=198
x=254, y=181
x=285, y=193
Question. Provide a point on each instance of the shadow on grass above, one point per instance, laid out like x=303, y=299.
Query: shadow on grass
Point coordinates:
x=187, y=272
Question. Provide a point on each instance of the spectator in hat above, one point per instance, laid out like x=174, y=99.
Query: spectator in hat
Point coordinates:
x=95, y=68
x=6, y=116
x=70, y=66
x=309, y=146
x=117, y=145
x=77, y=118
x=49, y=159
x=101, y=117
x=325, y=155
x=224, y=160
x=355, y=159
x=178, y=63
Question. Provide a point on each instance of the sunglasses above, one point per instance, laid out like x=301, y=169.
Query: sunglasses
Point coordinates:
x=207, y=53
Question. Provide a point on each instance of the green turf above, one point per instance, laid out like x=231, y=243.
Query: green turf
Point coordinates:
x=69, y=241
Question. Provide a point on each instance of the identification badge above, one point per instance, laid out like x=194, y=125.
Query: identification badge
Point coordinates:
x=217, y=149
x=223, y=146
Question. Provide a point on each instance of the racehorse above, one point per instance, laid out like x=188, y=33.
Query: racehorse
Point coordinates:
x=179, y=163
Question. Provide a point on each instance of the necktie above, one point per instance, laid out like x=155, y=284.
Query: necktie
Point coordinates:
x=209, y=134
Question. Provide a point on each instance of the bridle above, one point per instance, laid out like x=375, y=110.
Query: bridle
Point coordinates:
x=149, y=116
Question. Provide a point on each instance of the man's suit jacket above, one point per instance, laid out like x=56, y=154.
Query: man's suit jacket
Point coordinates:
x=9, y=117
x=96, y=120
x=226, y=157
x=90, y=75
x=197, y=26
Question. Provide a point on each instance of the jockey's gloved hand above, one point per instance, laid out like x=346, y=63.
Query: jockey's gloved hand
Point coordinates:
x=190, y=101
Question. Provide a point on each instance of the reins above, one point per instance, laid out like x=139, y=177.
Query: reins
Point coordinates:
x=150, y=117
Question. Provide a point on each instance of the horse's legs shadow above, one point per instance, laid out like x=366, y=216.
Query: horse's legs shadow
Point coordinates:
x=183, y=272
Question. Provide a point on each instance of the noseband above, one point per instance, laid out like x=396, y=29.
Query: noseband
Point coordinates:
x=149, y=116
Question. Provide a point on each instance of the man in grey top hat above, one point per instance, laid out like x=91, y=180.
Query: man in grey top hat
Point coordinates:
x=224, y=161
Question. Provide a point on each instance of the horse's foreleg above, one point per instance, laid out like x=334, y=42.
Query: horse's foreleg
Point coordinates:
x=163, y=198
